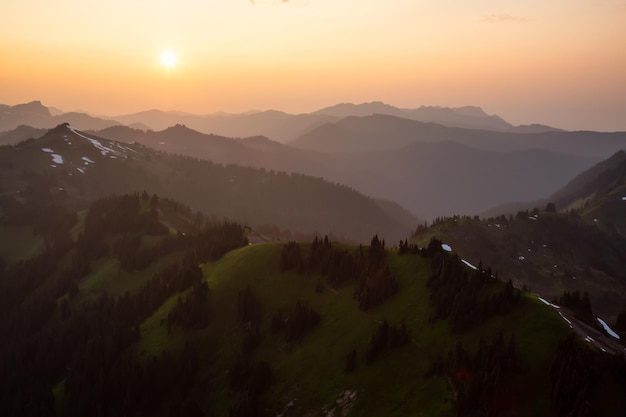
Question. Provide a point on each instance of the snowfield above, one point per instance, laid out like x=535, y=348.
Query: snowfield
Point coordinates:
x=445, y=247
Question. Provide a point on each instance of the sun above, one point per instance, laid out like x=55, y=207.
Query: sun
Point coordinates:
x=168, y=58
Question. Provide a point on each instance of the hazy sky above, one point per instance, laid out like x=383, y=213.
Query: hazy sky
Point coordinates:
x=559, y=62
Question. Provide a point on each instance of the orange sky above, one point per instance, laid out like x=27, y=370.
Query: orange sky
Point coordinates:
x=562, y=64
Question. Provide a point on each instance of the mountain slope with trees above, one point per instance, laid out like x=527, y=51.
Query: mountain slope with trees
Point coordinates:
x=75, y=168
x=574, y=241
x=188, y=326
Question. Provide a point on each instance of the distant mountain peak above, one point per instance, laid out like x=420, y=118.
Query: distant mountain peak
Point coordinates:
x=33, y=107
x=362, y=109
x=473, y=111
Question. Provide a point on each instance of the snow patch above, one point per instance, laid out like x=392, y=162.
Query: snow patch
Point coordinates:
x=82, y=171
x=589, y=339
x=565, y=318
x=521, y=258
x=623, y=198
x=446, y=247
x=469, y=264
x=608, y=329
x=56, y=158
x=84, y=158
x=96, y=143
x=548, y=303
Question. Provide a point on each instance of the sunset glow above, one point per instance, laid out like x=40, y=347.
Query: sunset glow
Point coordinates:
x=561, y=63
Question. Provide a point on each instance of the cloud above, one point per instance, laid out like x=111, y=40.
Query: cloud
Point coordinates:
x=504, y=17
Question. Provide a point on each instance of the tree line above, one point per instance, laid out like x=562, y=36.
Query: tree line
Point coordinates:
x=367, y=268
x=455, y=292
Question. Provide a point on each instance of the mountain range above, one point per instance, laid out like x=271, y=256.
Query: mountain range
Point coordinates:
x=74, y=168
x=388, y=156
x=35, y=114
x=429, y=177
x=140, y=273
x=277, y=125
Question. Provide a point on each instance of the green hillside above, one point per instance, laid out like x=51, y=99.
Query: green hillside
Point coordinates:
x=139, y=307
x=310, y=371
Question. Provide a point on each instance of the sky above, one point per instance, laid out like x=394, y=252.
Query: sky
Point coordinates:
x=557, y=62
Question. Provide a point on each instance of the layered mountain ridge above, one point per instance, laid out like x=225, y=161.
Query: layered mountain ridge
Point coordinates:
x=75, y=167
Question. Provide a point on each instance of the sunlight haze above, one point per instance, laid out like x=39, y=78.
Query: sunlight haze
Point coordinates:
x=561, y=63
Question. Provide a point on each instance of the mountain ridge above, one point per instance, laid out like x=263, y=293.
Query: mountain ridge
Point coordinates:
x=404, y=175
x=84, y=167
x=277, y=125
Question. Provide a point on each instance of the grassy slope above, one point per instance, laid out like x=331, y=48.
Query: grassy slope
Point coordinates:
x=311, y=370
x=608, y=208
x=18, y=243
